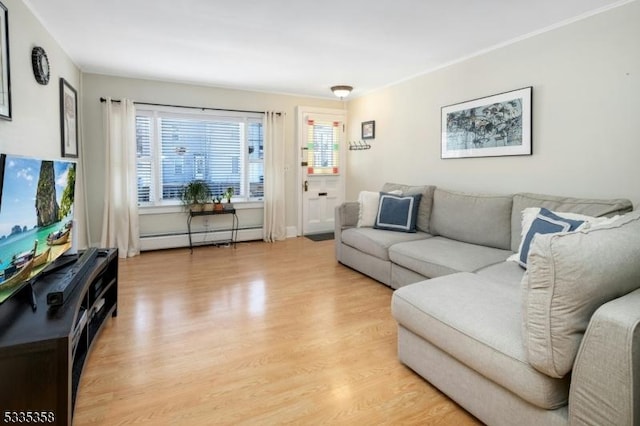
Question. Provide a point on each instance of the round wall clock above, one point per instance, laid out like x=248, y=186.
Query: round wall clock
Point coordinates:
x=40, y=64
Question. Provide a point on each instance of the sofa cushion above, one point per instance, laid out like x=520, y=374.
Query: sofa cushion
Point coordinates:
x=376, y=242
x=438, y=256
x=568, y=277
x=508, y=273
x=545, y=222
x=530, y=214
x=426, y=202
x=369, y=202
x=397, y=212
x=585, y=206
x=478, y=322
x=472, y=218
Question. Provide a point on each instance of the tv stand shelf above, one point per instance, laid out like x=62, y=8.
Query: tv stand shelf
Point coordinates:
x=43, y=351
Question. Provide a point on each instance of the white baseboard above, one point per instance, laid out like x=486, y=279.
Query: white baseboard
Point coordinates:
x=292, y=231
x=182, y=240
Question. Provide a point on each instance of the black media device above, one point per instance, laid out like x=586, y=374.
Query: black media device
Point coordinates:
x=68, y=282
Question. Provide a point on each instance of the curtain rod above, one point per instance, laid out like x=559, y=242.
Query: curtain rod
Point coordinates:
x=192, y=107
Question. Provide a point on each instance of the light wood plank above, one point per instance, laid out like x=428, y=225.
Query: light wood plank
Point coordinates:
x=261, y=334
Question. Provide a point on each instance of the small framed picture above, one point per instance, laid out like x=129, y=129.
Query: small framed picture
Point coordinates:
x=368, y=129
x=68, y=119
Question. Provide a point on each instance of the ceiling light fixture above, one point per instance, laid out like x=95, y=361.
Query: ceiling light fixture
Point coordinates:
x=341, y=91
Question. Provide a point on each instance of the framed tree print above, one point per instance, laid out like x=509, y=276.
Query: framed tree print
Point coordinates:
x=68, y=119
x=493, y=126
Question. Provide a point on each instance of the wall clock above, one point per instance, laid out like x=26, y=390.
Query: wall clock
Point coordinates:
x=40, y=64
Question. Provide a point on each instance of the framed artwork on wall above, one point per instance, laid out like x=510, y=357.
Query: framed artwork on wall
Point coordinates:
x=493, y=126
x=68, y=119
x=368, y=129
x=5, y=73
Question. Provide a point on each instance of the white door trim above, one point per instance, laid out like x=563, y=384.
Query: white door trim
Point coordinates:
x=300, y=138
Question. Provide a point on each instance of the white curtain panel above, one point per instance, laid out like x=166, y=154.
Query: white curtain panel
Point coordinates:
x=120, y=226
x=274, y=228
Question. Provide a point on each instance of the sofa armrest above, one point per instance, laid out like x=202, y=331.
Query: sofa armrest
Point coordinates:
x=346, y=216
x=605, y=383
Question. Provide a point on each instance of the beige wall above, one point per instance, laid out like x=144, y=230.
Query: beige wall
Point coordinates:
x=35, y=127
x=586, y=80
x=96, y=86
x=586, y=113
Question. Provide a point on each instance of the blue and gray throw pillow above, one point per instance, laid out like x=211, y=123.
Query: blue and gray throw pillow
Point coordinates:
x=546, y=222
x=397, y=212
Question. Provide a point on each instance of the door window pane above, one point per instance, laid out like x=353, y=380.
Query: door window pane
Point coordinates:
x=323, y=146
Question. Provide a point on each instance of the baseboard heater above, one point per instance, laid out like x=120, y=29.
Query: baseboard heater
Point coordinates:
x=178, y=240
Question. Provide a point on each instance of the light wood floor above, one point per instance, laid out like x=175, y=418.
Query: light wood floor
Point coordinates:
x=261, y=334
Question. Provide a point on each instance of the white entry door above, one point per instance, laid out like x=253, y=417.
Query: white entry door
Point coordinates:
x=322, y=174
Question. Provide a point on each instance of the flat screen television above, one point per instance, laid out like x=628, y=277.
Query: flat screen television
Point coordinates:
x=36, y=217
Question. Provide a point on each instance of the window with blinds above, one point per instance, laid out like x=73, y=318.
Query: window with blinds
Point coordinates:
x=223, y=150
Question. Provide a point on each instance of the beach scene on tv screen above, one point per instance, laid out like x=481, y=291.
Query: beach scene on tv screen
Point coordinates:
x=36, y=216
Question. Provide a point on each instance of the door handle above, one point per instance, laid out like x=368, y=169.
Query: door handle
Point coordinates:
x=306, y=185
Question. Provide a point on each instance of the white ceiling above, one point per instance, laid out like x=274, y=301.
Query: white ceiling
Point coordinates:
x=292, y=46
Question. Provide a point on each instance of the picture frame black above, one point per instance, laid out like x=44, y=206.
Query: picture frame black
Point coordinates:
x=493, y=126
x=68, y=119
x=368, y=129
x=5, y=73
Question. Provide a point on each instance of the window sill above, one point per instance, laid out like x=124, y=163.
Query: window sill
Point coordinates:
x=170, y=209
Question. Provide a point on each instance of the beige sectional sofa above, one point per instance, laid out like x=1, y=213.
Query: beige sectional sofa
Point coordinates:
x=556, y=343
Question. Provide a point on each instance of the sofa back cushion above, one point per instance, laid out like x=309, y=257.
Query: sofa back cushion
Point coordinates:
x=588, y=207
x=426, y=201
x=472, y=218
x=570, y=275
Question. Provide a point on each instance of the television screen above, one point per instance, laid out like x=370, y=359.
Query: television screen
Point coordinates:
x=36, y=217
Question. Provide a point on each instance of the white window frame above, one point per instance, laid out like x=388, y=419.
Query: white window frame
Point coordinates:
x=156, y=203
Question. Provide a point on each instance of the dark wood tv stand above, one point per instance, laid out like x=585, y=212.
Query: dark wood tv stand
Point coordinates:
x=43, y=351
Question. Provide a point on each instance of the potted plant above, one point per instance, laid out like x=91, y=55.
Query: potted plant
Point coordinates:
x=195, y=195
x=228, y=194
x=217, y=202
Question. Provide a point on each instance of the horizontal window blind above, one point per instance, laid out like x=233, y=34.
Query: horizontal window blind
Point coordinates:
x=144, y=159
x=224, y=152
x=255, y=170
